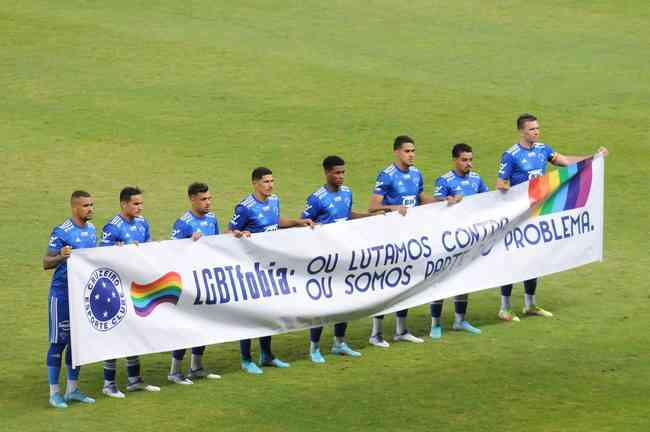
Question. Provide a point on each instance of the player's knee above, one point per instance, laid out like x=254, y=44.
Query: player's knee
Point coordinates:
x=54, y=354
x=68, y=356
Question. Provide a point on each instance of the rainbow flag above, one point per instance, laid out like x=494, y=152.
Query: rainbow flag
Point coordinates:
x=566, y=188
x=166, y=289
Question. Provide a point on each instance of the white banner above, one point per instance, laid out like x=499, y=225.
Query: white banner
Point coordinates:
x=167, y=295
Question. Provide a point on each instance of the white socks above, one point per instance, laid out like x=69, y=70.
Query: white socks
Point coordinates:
x=71, y=386
x=196, y=362
x=176, y=366
x=54, y=388
x=529, y=300
x=505, y=303
x=400, y=325
x=377, y=325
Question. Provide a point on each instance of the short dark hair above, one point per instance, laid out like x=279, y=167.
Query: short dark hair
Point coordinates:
x=79, y=194
x=196, y=188
x=260, y=172
x=460, y=148
x=523, y=119
x=331, y=161
x=401, y=140
x=128, y=192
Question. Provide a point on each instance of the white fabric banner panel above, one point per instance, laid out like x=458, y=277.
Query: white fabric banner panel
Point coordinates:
x=168, y=295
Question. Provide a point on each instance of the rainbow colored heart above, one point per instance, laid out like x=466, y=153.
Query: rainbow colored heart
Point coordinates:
x=147, y=297
x=566, y=188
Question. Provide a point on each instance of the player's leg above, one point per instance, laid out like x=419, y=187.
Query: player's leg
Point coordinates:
x=54, y=354
x=505, y=312
x=72, y=392
x=340, y=347
x=175, y=374
x=530, y=308
x=266, y=355
x=197, y=371
x=247, y=363
x=436, y=312
x=314, y=345
x=134, y=377
x=376, y=336
x=401, y=331
x=110, y=386
x=460, y=323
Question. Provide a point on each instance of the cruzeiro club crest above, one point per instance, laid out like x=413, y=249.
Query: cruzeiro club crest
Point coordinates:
x=104, y=300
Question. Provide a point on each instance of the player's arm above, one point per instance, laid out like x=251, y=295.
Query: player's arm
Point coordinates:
x=564, y=160
x=506, y=166
x=53, y=259
x=312, y=208
x=147, y=235
x=238, y=223
x=381, y=189
x=377, y=206
x=183, y=230
x=237, y=233
x=482, y=187
x=359, y=215
x=290, y=223
x=502, y=185
x=110, y=236
x=57, y=251
x=424, y=198
x=451, y=199
x=189, y=232
x=444, y=193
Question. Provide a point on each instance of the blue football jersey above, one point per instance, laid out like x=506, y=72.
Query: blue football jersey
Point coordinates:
x=325, y=206
x=121, y=230
x=399, y=187
x=68, y=234
x=190, y=223
x=451, y=184
x=256, y=216
x=519, y=164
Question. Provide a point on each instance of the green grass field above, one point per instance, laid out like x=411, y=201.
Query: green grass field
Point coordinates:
x=99, y=95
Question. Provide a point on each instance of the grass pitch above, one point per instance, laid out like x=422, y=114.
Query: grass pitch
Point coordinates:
x=98, y=95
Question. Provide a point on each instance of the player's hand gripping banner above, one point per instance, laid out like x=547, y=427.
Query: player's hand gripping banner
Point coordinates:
x=168, y=295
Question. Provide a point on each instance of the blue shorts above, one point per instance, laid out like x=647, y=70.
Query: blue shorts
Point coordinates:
x=59, y=320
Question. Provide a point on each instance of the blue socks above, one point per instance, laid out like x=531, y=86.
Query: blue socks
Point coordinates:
x=109, y=370
x=265, y=347
x=315, y=334
x=245, y=350
x=133, y=367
